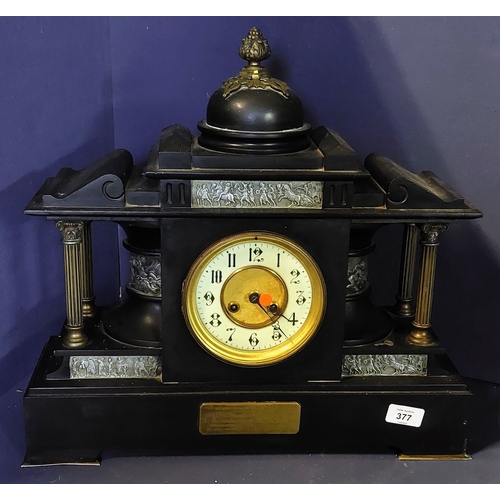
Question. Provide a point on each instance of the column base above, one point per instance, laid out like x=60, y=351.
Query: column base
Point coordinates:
x=89, y=309
x=74, y=337
x=422, y=337
x=404, y=308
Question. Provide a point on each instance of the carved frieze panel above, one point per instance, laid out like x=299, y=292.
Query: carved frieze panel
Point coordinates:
x=363, y=365
x=257, y=194
x=145, y=274
x=85, y=367
x=357, y=275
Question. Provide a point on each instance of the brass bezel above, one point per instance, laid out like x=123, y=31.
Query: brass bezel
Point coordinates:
x=263, y=357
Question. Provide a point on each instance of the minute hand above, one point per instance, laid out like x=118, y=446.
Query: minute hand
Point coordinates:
x=276, y=325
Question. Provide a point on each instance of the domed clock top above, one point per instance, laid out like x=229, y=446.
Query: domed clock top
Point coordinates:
x=253, y=112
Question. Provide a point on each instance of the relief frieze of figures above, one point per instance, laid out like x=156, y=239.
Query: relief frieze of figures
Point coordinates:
x=363, y=365
x=84, y=367
x=257, y=194
x=357, y=275
x=145, y=274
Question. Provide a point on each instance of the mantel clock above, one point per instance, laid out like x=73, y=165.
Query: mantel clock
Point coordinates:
x=247, y=324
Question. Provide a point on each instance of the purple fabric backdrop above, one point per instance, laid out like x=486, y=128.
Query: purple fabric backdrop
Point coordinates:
x=422, y=91
x=56, y=111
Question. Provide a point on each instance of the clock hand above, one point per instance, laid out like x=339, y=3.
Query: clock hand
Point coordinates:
x=263, y=300
x=285, y=317
x=277, y=327
x=266, y=299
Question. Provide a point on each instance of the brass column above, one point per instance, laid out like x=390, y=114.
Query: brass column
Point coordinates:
x=88, y=299
x=71, y=237
x=404, y=298
x=421, y=333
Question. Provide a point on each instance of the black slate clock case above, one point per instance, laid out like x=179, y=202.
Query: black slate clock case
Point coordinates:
x=183, y=360
x=132, y=377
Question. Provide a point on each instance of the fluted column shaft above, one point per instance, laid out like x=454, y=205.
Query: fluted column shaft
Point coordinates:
x=71, y=237
x=88, y=299
x=421, y=333
x=404, y=298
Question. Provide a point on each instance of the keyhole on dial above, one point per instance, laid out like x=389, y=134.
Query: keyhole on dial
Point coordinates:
x=233, y=307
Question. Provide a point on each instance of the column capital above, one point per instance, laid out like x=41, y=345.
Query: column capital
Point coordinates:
x=430, y=232
x=71, y=232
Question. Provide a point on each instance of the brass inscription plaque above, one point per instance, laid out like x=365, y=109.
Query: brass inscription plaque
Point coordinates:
x=270, y=417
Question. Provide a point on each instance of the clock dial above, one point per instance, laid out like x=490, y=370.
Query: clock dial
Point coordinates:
x=254, y=298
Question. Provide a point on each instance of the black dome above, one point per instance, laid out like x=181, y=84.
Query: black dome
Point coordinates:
x=255, y=110
x=252, y=112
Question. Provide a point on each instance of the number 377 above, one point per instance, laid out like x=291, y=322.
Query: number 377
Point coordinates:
x=405, y=417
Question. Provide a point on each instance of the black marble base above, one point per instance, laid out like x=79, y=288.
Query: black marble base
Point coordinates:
x=75, y=421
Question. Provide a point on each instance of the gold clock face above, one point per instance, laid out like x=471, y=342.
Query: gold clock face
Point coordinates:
x=254, y=298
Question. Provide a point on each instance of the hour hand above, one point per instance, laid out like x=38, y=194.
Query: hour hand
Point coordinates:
x=265, y=302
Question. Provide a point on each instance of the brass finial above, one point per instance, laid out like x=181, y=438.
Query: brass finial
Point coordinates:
x=254, y=48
